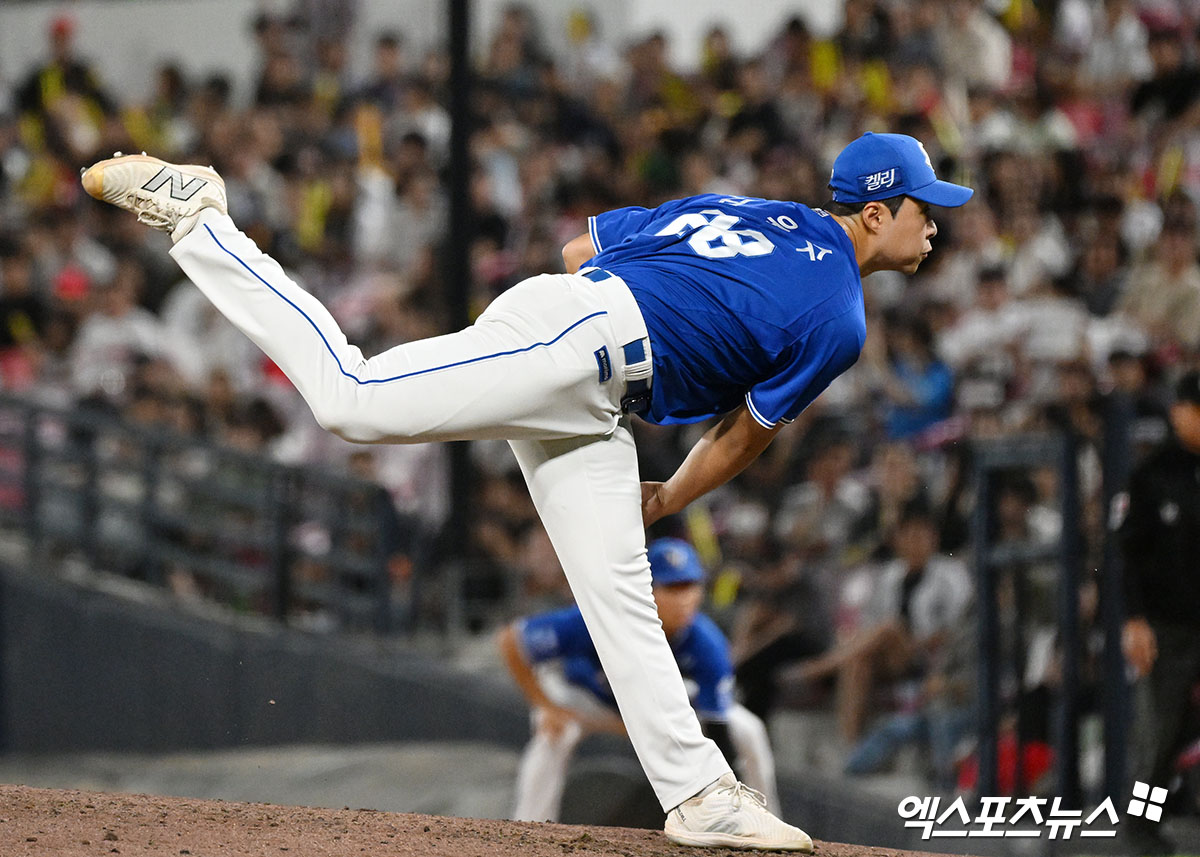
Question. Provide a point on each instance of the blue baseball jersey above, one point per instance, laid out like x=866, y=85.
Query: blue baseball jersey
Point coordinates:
x=701, y=651
x=744, y=299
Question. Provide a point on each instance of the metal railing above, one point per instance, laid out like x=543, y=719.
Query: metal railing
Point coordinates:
x=991, y=460
x=300, y=544
x=1067, y=554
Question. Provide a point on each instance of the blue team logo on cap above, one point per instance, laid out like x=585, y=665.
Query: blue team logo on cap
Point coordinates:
x=674, y=561
x=881, y=180
x=880, y=166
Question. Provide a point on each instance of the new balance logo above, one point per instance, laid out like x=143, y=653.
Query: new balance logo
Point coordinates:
x=179, y=190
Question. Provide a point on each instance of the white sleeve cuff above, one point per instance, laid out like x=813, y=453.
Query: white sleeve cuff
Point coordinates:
x=758, y=417
x=592, y=232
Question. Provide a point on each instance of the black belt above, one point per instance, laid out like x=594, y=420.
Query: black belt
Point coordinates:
x=637, y=392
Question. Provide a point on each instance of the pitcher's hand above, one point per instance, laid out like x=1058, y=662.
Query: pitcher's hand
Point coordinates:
x=654, y=502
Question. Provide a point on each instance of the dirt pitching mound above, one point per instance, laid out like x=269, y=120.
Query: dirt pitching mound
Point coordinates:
x=65, y=823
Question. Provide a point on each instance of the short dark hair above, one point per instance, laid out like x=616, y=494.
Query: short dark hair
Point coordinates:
x=918, y=511
x=389, y=39
x=10, y=246
x=846, y=209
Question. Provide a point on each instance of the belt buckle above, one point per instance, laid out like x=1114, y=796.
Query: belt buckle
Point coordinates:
x=637, y=397
x=638, y=404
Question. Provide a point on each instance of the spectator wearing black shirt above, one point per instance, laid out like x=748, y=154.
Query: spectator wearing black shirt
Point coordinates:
x=64, y=98
x=65, y=74
x=757, y=125
x=1175, y=85
x=385, y=88
x=22, y=312
x=1158, y=523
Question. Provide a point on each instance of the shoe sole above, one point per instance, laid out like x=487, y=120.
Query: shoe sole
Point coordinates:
x=93, y=176
x=724, y=840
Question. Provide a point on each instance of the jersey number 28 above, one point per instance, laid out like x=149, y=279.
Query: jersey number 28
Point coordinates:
x=715, y=237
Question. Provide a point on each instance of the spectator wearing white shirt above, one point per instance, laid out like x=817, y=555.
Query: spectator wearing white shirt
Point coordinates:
x=1164, y=293
x=982, y=338
x=916, y=600
x=188, y=317
x=113, y=338
x=974, y=46
x=1110, y=39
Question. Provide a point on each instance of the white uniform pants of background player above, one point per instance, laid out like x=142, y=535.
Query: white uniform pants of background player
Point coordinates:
x=542, y=771
x=526, y=371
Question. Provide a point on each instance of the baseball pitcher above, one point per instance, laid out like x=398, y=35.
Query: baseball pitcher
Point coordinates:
x=711, y=306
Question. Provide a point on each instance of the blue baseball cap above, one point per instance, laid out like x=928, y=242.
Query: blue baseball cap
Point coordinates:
x=674, y=561
x=880, y=166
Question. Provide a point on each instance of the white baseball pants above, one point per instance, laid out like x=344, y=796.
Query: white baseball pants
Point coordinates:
x=546, y=760
x=526, y=371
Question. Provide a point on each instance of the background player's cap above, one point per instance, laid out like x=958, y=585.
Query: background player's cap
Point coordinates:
x=880, y=166
x=674, y=561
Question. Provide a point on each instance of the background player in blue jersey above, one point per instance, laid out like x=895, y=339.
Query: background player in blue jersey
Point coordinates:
x=553, y=660
x=732, y=307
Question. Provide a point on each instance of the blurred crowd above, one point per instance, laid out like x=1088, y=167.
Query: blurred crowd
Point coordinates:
x=838, y=557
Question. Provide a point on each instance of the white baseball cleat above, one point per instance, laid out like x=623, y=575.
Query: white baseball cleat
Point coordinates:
x=731, y=815
x=164, y=196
